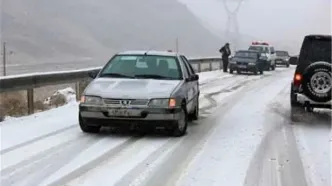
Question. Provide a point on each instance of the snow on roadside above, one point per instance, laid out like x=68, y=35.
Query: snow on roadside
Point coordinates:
x=68, y=93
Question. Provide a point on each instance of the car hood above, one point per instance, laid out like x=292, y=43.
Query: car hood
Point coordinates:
x=131, y=88
x=244, y=60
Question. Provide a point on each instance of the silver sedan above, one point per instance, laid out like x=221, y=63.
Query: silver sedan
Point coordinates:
x=142, y=89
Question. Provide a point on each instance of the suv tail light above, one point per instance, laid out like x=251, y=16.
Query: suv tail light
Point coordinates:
x=297, y=79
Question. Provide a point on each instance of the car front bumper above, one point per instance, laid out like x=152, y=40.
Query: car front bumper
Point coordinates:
x=243, y=67
x=99, y=115
x=281, y=62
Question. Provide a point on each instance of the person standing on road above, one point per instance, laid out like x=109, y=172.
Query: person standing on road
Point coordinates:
x=225, y=53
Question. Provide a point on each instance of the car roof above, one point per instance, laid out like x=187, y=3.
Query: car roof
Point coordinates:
x=253, y=51
x=318, y=35
x=149, y=52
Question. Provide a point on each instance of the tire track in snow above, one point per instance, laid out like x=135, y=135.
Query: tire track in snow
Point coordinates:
x=38, y=165
x=271, y=163
x=131, y=176
x=94, y=163
x=20, y=145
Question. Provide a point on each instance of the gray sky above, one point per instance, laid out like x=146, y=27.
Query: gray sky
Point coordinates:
x=284, y=21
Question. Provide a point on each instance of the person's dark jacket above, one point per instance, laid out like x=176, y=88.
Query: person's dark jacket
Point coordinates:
x=224, y=52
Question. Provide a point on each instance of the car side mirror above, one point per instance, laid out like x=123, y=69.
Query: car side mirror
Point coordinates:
x=293, y=60
x=93, y=74
x=194, y=77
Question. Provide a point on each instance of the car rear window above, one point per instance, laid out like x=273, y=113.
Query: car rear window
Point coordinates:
x=315, y=49
x=244, y=54
x=135, y=66
x=282, y=53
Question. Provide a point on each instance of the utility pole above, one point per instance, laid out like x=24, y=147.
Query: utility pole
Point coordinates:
x=177, y=44
x=4, y=58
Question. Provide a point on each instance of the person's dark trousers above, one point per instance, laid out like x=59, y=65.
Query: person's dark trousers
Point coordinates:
x=225, y=64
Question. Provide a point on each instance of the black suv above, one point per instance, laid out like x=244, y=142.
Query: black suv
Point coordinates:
x=311, y=85
x=282, y=58
x=248, y=61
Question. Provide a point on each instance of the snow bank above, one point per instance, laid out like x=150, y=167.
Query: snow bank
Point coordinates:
x=68, y=93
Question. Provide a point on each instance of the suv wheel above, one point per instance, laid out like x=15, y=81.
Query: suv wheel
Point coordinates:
x=180, y=127
x=317, y=81
x=194, y=115
x=273, y=67
x=87, y=129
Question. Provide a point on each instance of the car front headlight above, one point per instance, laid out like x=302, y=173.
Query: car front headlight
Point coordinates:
x=93, y=100
x=162, y=103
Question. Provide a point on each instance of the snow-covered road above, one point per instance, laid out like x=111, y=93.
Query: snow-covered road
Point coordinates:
x=244, y=137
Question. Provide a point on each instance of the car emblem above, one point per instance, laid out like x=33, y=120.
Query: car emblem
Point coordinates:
x=125, y=102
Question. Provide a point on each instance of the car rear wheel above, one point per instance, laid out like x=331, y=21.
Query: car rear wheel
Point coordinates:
x=238, y=71
x=231, y=71
x=317, y=81
x=180, y=127
x=86, y=128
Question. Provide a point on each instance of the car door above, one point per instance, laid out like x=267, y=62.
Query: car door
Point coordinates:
x=273, y=55
x=192, y=85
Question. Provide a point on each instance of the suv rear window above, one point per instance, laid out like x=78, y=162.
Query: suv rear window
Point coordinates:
x=259, y=49
x=315, y=49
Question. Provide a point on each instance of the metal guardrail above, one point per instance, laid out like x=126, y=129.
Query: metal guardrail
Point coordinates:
x=29, y=82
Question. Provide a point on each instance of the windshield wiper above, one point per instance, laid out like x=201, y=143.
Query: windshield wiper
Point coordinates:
x=115, y=75
x=153, y=76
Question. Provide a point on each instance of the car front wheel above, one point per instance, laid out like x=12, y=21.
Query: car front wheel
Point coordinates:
x=180, y=127
x=86, y=128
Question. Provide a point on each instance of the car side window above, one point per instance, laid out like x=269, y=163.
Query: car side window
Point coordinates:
x=186, y=70
x=191, y=69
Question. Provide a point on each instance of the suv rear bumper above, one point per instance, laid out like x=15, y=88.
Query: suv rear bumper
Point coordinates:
x=304, y=100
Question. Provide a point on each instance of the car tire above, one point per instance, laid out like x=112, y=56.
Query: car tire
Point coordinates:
x=180, y=127
x=194, y=115
x=273, y=67
x=231, y=71
x=317, y=81
x=238, y=71
x=261, y=71
x=287, y=65
x=255, y=71
x=86, y=128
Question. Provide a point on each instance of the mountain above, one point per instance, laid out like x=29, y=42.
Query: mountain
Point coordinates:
x=42, y=31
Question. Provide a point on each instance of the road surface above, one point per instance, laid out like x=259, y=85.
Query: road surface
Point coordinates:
x=244, y=137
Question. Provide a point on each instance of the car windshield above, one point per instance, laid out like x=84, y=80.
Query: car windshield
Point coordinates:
x=248, y=54
x=259, y=48
x=142, y=66
x=316, y=50
x=282, y=53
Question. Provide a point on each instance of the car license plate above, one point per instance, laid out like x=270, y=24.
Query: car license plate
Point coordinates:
x=120, y=112
x=242, y=66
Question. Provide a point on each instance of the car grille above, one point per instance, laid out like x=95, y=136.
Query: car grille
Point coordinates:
x=241, y=63
x=109, y=101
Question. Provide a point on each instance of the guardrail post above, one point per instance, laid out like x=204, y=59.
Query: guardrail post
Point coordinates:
x=199, y=67
x=77, y=90
x=210, y=66
x=30, y=101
